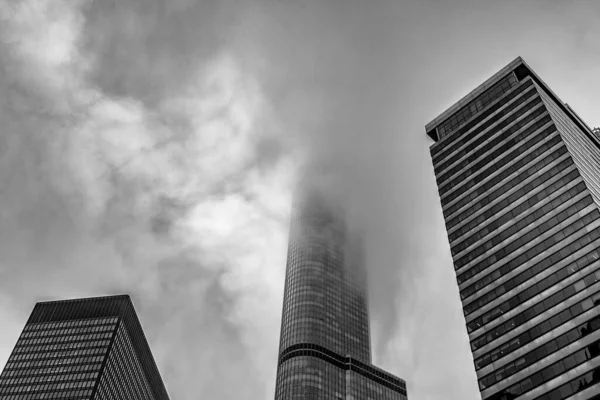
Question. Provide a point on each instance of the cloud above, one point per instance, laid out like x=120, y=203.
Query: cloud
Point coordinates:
x=167, y=173
x=180, y=202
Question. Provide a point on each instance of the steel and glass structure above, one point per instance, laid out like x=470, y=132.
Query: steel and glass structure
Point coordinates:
x=82, y=349
x=325, y=350
x=518, y=174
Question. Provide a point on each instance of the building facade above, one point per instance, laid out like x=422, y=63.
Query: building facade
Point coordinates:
x=82, y=349
x=518, y=175
x=325, y=350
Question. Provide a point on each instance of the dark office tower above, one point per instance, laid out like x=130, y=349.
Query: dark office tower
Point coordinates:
x=82, y=349
x=518, y=175
x=325, y=350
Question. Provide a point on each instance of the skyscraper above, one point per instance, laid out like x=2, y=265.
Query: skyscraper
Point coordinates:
x=325, y=350
x=82, y=349
x=518, y=175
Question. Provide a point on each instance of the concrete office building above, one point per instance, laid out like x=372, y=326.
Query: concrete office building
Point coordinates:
x=518, y=174
x=325, y=350
x=82, y=349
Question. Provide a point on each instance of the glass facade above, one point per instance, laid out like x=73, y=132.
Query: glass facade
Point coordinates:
x=325, y=348
x=82, y=349
x=519, y=184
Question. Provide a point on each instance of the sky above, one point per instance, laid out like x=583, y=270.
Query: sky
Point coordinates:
x=151, y=147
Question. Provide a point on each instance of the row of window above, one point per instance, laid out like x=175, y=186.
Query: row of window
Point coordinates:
x=49, y=378
x=60, y=346
x=64, y=324
x=46, y=387
x=529, y=109
x=532, y=220
x=438, y=151
x=489, y=221
x=25, y=337
x=536, y=230
x=540, y=286
x=58, y=354
x=543, y=306
x=53, y=361
x=468, y=111
x=71, y=394
x=51, y=370
x=64, y=338
x=510, y=184
x=541, y=352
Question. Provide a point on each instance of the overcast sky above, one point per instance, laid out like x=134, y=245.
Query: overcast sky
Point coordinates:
x=150, y=147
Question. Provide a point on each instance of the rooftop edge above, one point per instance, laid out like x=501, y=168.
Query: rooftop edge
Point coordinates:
x=474, y=93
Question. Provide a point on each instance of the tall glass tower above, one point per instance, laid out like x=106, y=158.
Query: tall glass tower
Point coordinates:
x=80, y=350
x=325, y=350
x=518, y=174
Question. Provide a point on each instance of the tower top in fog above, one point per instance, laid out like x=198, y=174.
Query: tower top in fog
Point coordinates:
x=325, y=349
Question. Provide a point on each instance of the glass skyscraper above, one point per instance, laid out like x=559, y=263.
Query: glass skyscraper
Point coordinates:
x=325, y=350
x=82, y=349
x=518, y=174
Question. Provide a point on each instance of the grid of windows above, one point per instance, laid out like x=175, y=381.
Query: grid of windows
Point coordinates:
x=521, y=209
x=82, y=349
x=57, y=359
